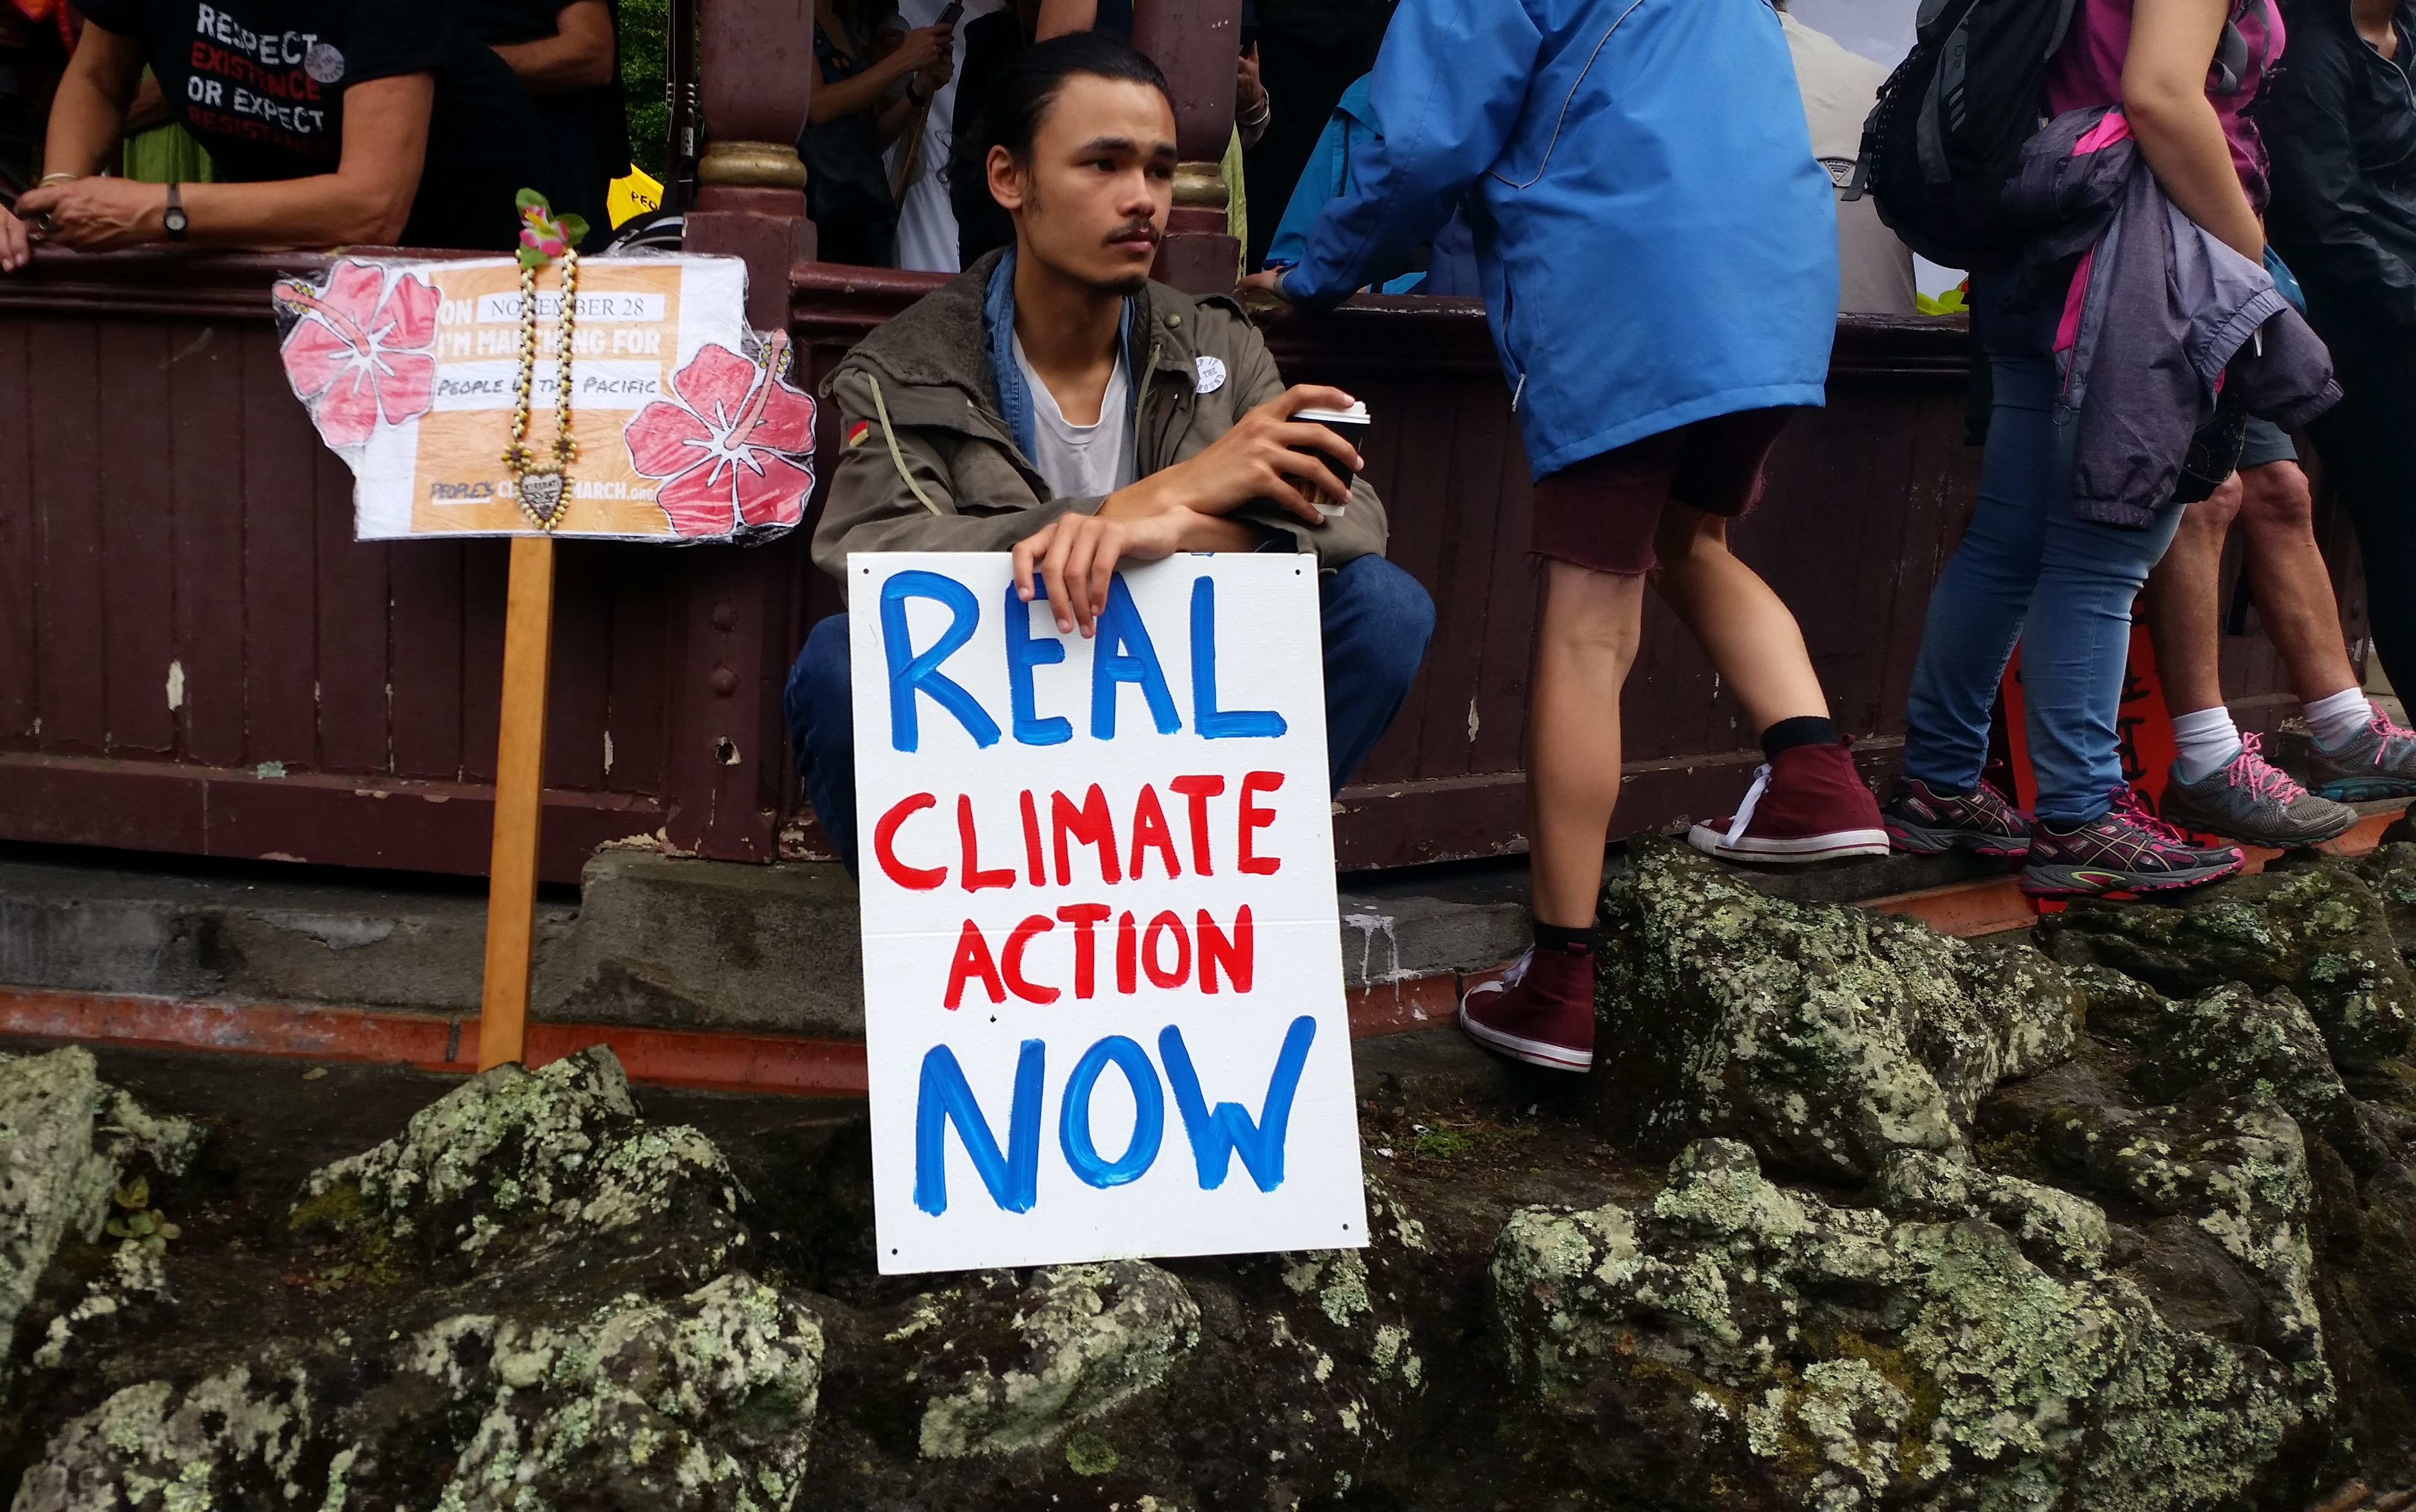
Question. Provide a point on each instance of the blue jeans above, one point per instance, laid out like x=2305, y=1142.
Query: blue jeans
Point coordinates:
x=1376, y=620
x=2029, y=569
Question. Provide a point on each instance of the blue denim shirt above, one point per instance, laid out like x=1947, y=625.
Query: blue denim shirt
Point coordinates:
x=998, y=339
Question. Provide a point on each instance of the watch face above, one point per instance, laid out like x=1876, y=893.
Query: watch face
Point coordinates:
x=175, y=221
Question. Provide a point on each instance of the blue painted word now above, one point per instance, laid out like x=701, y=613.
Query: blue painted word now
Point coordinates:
x=1012, y=1175
x=1124, y=654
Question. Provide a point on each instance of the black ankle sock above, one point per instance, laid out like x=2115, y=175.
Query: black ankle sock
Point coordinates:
x=1805, y=730
x=1563, y=940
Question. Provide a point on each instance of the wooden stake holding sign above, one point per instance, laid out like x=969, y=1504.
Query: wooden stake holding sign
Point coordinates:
x=519, y=800
x=674, y=424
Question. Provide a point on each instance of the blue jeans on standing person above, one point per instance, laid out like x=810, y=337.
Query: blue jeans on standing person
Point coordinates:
x=2030, y=570
x=1375, y=617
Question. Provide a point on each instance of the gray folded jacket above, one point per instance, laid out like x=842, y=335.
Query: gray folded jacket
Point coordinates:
x=2186, y=317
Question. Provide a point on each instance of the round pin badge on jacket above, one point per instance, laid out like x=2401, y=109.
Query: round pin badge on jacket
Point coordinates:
x=323, y=63
x=1211, y=375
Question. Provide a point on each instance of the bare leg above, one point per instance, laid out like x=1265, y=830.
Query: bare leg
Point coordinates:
x=1742, y=626
x=2182, y=602
x=2294, y=590
x=1584, y=645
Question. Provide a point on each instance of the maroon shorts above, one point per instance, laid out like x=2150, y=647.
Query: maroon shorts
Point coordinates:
x=1602, y=512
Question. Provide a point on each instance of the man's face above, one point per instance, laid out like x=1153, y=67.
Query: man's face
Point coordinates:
x=1093, y=200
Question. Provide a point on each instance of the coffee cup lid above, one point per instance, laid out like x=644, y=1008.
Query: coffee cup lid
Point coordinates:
x=1355, y=415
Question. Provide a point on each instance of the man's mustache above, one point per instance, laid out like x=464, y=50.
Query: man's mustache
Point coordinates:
x=1138, y=228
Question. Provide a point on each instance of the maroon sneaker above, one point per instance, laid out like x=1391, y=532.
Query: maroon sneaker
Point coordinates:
x=1540, y=1010
x=1806, y=803
x=1927, y=822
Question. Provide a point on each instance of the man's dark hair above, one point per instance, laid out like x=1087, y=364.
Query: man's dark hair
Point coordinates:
x=1027, y=86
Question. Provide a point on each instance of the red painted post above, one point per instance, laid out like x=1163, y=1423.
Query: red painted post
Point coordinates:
x=756, y=69
x=1197, y=42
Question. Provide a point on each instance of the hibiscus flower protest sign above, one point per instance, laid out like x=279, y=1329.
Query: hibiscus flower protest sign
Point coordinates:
x=1104, y=1014
x=689, y=426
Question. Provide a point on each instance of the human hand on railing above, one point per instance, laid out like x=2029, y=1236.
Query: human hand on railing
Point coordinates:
x=96, y=215
x=16, y=248
x=1266, y=281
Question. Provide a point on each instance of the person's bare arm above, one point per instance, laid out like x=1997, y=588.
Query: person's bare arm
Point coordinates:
x=367, y=199
x=1058, y=17
x=837, y=99
x=578, y=54
x=87, y=118
x=96, y=92
x=2164, y=93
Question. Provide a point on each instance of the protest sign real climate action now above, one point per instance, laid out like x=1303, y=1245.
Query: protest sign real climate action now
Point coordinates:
x=1103, y=979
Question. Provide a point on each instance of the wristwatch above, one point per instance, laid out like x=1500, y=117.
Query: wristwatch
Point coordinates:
x=173, y=222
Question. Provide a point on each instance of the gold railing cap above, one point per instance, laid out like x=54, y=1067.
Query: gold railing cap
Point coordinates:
x=1202, y=185
x=752, y=164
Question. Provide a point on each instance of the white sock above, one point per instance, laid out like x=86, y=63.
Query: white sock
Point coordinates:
x=2335, y=720
x=2204, y=742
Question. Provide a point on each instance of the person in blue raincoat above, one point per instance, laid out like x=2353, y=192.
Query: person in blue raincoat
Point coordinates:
x=1658, y=252
x=1450, y=263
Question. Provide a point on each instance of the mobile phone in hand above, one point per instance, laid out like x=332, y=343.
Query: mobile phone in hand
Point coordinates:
x=951, y=13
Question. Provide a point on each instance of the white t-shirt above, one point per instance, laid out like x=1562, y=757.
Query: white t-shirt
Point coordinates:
x=927, y=223
x=1082, y=462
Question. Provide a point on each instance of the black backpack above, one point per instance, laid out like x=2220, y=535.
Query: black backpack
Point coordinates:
x=1950, y=124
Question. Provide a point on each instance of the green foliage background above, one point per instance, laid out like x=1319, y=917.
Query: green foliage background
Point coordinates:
x=643, y=26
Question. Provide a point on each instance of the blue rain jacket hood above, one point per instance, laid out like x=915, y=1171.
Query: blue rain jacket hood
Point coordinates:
x=1657, y=242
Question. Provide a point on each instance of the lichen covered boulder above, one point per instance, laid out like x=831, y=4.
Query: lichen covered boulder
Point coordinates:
x=1011, y=1364
x=67, y=1139
x=2236, y=1170
x=2316, y=928
x=2232, y=1039
x=513, y=1164
x=1736, y=1345
x=1826, y=1037
x=524, y=1301
x=1259, y=1379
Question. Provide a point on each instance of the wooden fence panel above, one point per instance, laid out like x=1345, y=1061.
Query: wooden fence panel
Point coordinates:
x=164, y=502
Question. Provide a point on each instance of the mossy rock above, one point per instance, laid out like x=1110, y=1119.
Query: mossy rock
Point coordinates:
x=1826, y=1037
x=1777, y=1352
x=2316, y=928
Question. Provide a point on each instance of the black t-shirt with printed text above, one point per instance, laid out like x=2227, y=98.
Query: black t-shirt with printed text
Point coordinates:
x=261, y=84
x=586, y=130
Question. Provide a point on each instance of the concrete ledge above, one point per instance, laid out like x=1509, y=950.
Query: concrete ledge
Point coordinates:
x=712, y=945
x=720, y=947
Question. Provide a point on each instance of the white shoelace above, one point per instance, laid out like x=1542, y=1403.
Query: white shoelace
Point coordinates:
x=1752, y=798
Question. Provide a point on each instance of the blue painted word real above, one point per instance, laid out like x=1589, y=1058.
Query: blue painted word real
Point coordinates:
x=1125, y=654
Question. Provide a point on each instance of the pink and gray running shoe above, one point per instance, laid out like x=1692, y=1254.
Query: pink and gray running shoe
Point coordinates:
x=2378, y=762
x=2125, y=850
x=1926, y=821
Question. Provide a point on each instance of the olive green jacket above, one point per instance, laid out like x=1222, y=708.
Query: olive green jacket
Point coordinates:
x=926, y=464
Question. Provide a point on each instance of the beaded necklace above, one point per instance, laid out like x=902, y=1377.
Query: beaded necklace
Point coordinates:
x=543, y=489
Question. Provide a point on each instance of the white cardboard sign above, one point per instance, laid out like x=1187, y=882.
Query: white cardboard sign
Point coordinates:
x=1102, y=975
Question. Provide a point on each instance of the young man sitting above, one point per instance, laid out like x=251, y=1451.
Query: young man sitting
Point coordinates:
x=1052, y=402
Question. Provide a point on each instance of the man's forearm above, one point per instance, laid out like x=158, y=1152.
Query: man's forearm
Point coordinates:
x=1214, y=533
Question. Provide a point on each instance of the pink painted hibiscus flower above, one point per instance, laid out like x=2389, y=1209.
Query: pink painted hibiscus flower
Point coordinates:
x=736, y=450
x=355, y=355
